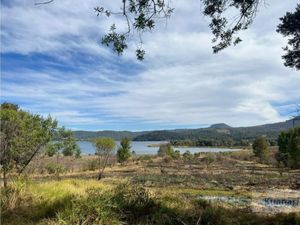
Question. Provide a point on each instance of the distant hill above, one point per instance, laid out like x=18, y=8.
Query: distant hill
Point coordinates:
x=220, y=131
x=117, y=135
x=220, y=126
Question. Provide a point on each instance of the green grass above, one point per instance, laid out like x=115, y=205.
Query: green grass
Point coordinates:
x=119, y=201
x=38, y=201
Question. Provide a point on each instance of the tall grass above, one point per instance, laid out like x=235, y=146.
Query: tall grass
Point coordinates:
x=92, y=202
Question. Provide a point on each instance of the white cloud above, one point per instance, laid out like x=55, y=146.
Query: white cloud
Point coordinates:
x=182, y=82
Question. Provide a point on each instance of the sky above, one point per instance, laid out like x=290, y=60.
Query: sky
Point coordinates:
x=52, y=62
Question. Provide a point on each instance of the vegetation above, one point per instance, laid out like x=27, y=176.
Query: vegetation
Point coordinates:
x=23, y=135
x=141, y=16
x=124, y=151
x=290, y=27
x=89, y=202
x=216, y=135
x=163, y=189
x=104, y=148
x=289, y=148
x=187, y=156
x=65, y=144
x=167, y=150
x=261, y=149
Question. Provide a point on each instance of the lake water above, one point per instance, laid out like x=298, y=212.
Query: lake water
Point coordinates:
x=142, y=148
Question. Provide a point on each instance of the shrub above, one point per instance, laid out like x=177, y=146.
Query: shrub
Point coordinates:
x=126, y=202
x=167, y=150
x=55, y=168
x=208, y=159
x=261, y=149
x=187, y=156
x=92, y=165
x=123, y=153
x=289, y=148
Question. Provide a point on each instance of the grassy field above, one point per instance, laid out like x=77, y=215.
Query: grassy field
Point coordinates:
x=152, y=190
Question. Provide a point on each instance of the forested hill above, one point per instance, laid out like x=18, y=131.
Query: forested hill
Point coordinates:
x=117, y=135
x=215, y=132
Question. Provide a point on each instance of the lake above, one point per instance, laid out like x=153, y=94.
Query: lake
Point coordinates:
x=142, y=148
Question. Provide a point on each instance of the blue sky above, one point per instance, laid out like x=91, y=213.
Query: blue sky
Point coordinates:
x=52, y=62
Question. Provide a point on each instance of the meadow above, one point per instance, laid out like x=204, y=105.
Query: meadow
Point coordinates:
x=212, y=188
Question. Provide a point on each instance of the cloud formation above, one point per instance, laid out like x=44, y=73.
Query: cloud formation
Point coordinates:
x=53, y=63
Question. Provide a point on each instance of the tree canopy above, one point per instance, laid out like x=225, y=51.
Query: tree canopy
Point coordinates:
x=142, y=15
x=289, y=148
x=124, y=153
x=64, y=144
x=261, y=148
x=22, y=136
x=290, y=27
x=104, y=148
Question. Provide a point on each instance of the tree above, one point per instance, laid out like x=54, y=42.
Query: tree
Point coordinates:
x=64, y=143
x=261, y=148
x=22, y=135
x=141, y=16
x=289, y=148
x=290, y=27
x=123, y=153
x=104, y=148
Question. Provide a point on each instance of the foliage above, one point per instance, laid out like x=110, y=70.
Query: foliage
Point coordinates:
x=124, y=152
x=167, y=150
x=50, y=150
x=187, y=156
x=289, y=148
x=22, y=135
x=65, y=144
x=261, y=148
x=12, y=196
x=222, y=28
x=90, y=202
x=91, y=165
x=104, y=148
x=212, y=136
x=54, y=168
x=145, y=14
x=140, y=16
x=208, y=159
x=290, y=27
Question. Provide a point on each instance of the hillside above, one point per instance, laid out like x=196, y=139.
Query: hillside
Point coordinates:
x=117, y=135
x=220, y=132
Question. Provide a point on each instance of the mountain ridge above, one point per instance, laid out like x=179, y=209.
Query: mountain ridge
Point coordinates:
x=215, y=131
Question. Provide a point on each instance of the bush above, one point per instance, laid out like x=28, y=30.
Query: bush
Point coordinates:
x=261, y=149
x=208, y=159
x=127, y=202
x=123, y=153
x=55, y=168
x=187, y=156
x=92, y=165
x=167, y=150
x=289, y=148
